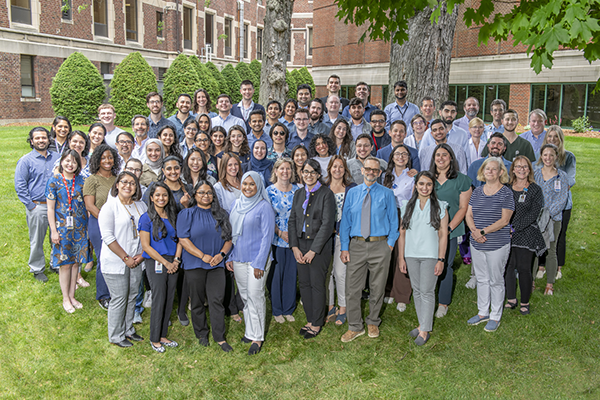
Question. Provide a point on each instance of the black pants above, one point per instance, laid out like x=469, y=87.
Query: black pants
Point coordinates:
x=207, y=284
x=520, y=260
x=183, y=294
x=312, y=281
x=561, y=244
x=163, y=293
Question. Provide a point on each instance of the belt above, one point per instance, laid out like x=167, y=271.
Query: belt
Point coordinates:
x=370, y=238
x=39, y=202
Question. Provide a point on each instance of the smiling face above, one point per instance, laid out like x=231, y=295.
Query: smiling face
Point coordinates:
x=233, y=167
x=273, y=111
x=438, y=131
x=401, y=157
x=427, y=109
x=549, y=157
x=492, y=172
x=284, y=172
x=106, y=116
x=172, y=170
x=496, y=146
x=204, y=196
x=257, y=123
x=553, y=138
x=424, y=186
x=300, y=156
x=419, y=126
x=310, y=176
x=497, y=111
x=69, y=165
x=77, y=143
x=126, y=187
x=153, y=152
x=195, y=162
x=190, y=131
x=96, y=136
x=167, y=138
x=140, y=127
x=160, y=198
x=363, y=148
x=236, y=138
x=333, y=104
x=155, y=105
x=536, y=123
x=448, y=113
x=249, y=188
x=278, y=135
x=224, y=105
x=107, y=161
x=204, y=123
x=124, y=145
x=40, y=141
x=202, y=142
x=315, y=110
x=357, y=111
x=476, y=131
x=201, y=99
x=322, y=148
x=303, y=96
x=259, y=150
x=371, y=171
x=333, y=85
x=510, y=121
x=378, y=123
x=218, y=138
x=397, y=133
x=301, y=121
x=341, y=130
x=247, y=92
x=400, y=92
x=290, y=109
x=337, y=169
x=62, y=130
x=521, y=169
x=442, y=159
x=471, y=107
x=135, y=167
x=362, y=92
x=184, y=104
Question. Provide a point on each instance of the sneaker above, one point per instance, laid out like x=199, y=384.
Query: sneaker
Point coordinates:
x=476, y=320
x=401, y=307
x=351, y=335
x=279, y=318
x=137, y=318
x=388, y=300
x=104, y=303
x=540, y=274
x=441, y=311
x=147, y=302
x=41, y=277
x=472, y=284
x=467, y=260
x=558, y=274
x=290, y=318
x=491, y=326
x=373, y=331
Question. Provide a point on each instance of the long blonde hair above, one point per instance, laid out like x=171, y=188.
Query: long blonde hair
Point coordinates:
x=562, y=156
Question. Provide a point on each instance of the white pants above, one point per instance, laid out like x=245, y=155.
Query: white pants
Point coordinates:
x=489, y=269
x=339, y=275
x=252, y=291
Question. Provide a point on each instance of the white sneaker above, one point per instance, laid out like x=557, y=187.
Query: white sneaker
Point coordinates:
x=540, y=274
x=558, y=274
x=441, y=311
x=147, y=303
x=388, y=300
x=472, y=284
x=137, y=318
x=401, y=307
x=279, y=318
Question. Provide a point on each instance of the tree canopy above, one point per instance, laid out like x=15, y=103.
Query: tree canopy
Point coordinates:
x=541, y=25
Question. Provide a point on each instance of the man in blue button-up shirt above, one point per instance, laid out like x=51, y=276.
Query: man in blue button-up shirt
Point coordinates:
x=401, y=108
x=32, y=173
x=178, y=120
x=371, y=251
x=225, y=118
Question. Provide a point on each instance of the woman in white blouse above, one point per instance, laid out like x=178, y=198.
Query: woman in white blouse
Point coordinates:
x=121, y=256
x=477, y=141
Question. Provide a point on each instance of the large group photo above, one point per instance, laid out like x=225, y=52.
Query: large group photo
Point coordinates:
x=252, y=230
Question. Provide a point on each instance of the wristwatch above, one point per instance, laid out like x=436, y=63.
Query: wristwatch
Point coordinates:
x=442, y=259
x=449, y=229
x=177, y=259
x=223, y=255
x=482, y=232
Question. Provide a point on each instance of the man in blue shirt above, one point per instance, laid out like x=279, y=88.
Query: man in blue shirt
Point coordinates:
x=225, y=118
x=358, y=124
x=401, y=108
x=156, y=121
x=32, y=173
x=496, y=147
x=257, y=124
x=368, y=232
x=178, y=120
x=246, y=106
x=537, y=133
x=497, y=108
x=471, y=109
x=361, y=92
x=300, y=135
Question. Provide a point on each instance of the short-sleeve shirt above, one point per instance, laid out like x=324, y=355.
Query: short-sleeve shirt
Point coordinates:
x=422, y=240
x=198, y=225
x=98, y=186
x=165, y=246
x=450, y=192
x=486, y=211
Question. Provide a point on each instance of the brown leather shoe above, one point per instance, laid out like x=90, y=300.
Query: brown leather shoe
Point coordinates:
x=373, y=331
x=351, y=335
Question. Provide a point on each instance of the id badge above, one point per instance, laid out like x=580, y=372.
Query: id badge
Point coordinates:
x=557, y=186
x=522, y=198
x=158, y=267
x=70, y=224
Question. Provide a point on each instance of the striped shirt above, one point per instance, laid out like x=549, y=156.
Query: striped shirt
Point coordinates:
x=486, y=211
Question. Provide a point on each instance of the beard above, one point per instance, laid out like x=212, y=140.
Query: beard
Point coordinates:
x=471, y=114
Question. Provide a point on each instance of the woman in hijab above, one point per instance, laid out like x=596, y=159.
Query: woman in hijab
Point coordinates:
x=252, y=217
x=155, y=153
x=259, y=161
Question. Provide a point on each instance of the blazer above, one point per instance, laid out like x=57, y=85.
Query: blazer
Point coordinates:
x=319, y=220
x=237, y=112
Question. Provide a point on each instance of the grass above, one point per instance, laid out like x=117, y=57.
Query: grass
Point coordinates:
x=552, y=353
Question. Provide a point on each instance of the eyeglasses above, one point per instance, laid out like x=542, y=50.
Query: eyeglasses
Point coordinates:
x=378, y=121
x=401, y=155
x=307, y=172
x=418, y=123
x=278, y=133
x=134, y=170
x=521, y=167
x=125, y=142
x=371, y=170
x=202, y=193
x=127, y=183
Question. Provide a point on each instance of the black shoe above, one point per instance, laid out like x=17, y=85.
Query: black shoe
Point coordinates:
x=303, y=330
x=226, y=347
x=246, y=340
x=183, y=321
x=124, y=343
x=135, y=337
x=104, y=303
x=365, y=295
x=310, y=334
x=203, y=342
x=254, y=349
x=41, y=277
x=55, y=270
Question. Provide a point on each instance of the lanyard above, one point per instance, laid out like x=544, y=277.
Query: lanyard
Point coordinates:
x=400, y=110
x=69, y=195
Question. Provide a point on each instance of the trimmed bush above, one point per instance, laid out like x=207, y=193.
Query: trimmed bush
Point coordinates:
x=77, y=90
x=223, y=88
x=292, y=85
x=256, y=67
x=181, y=77
x=306, y=77
x=233, y=81
x=245, y=72
x=132, y=81
x=297, y=80
x=207, y=80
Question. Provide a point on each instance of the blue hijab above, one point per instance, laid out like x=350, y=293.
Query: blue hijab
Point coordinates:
x=264, y=166
x=244, y=204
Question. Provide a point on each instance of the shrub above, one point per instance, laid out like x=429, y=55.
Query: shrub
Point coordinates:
x=306, y=77
x=581, y=124
x=132, y=81
x=181, y=77
x=297, y=80
x=233, y=83
x=223, y=88
x=77, y=90
x=207, y=80
x=256, y=67
x=245, y=72
x=292, y=85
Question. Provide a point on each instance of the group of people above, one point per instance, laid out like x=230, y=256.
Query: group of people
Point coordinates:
x=334, y=196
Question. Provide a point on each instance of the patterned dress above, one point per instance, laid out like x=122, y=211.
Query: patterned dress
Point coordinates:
x=282, y=204
x=73, y=247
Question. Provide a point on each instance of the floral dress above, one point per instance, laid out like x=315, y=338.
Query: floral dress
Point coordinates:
x=74, y=246
x=282, y=204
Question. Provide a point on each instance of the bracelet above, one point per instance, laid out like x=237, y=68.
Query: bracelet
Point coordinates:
x=177, y=259
x=125, y=258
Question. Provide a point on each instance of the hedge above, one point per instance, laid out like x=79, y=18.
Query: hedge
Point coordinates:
x=181, y=77
x=207, y=80
x=233, y=81
x=245, y=72
x=223, y=88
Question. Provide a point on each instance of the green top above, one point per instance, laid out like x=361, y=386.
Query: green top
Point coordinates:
x=520, y=147
x=98, y=186
x=450, y=192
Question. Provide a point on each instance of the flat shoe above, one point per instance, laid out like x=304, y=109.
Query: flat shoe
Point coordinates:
x=226, y=347
x=124, y=343
x=254, y=349
x=203, y=342
x=510, y=305
x=89, y=269
x=476, y=320
x=341, y=319
x=279, y=319
x=549, y=291
x=246, y=340
x=69, y=308
x=183, y=321
x=419, y=341
x=331, y=315
x=414, y=333
x=82, y=282
x=526, y=311
x=77, y=305
x=290, y=318
x=135, y=337
x=172, y=343
x=158, y=349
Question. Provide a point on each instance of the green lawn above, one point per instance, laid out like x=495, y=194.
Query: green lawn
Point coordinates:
x=552, y=353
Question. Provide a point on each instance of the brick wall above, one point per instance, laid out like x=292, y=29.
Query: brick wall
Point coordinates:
x=519, y=101
x=78, y=27
x=4, y=14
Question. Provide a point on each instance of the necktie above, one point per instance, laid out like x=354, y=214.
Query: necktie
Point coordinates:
x=365, y=216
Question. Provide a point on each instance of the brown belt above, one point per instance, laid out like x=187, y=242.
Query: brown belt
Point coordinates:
x=370, y=238
x=39, y=202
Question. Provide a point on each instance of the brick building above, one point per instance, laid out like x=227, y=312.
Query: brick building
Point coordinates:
x=486, y=72
x=37, y=35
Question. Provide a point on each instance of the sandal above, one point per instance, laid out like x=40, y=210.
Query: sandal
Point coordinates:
x=341, y=319
x=331, y=315
x=524, y=310
x=511, y=305
x=549, y=290
x=236, y=318
x=82, y=282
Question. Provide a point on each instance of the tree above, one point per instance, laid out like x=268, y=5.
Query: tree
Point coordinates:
x=278, y=19
x=246, y=73
x=223, y=88
x=133, y=79
x=181, y=77
x=233, y=83
x=77, y=90
x=295, y=74
x=291, y=84
x=307, y=78
x=207, y=80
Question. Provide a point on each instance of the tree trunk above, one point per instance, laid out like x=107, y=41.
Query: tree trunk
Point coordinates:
x=424, y=60
x=277, y=36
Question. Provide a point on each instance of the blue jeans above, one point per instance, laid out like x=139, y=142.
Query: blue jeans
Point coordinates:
x=447, y=277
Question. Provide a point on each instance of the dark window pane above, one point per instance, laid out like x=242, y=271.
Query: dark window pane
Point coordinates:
x=66, y=12
x=208, y=36
x=593, y=106
x=538, y=96
x=504, y=93
x=160, y=25
x=490, y=95
x=553, y=104
x=187, y=28
x=452, y=92
x=477, y=92
x=131, y=19
x=259, y=43
x=27, y=87
x=573, y=103
x=21, y=11
x=228, y=33
x=461, y=91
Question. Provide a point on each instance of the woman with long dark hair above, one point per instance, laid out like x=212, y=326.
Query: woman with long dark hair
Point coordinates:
x=299, y=157
x=61, y=128
x=202, y=104
x=204, y=123
x=237, y=143
x=162, y=255
x=218, y=135
x=341, y=136
x=204, y=143
x=195, y=169
x=190, y=130
x=168, y=138
x=422, y=249
x=205, y=234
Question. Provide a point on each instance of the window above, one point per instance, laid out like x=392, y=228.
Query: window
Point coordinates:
x=160, y=25
x=347, y=91
x=131, y=19
x=310, y=41
x=484, y=93
x=20, y=11
x=65, y=9
x=187, y=28
x=565, y=103
x=228, y=31
x=259, y=43
x=209, y=29
x=161, y=73
x=27, y=87
x=289, y=58
x=104, y=68
x=100, y=18
x=246, y=40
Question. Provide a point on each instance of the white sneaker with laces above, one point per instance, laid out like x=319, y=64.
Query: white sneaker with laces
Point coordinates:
x=441, y=311
x=540, y=274
x=472, y=283
x=388, y=300
x=401, y=307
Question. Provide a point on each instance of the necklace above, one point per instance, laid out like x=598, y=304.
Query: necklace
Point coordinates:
x=132, y=219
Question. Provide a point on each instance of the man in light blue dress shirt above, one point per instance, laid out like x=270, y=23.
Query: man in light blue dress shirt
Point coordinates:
x=448, y=111
x=225, y=119
x=401, y=108
x=471, y=109
x=537, y=133
x=497, y=108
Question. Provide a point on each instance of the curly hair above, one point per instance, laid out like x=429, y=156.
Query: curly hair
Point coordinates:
x=312, y=147
x=96, y=158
